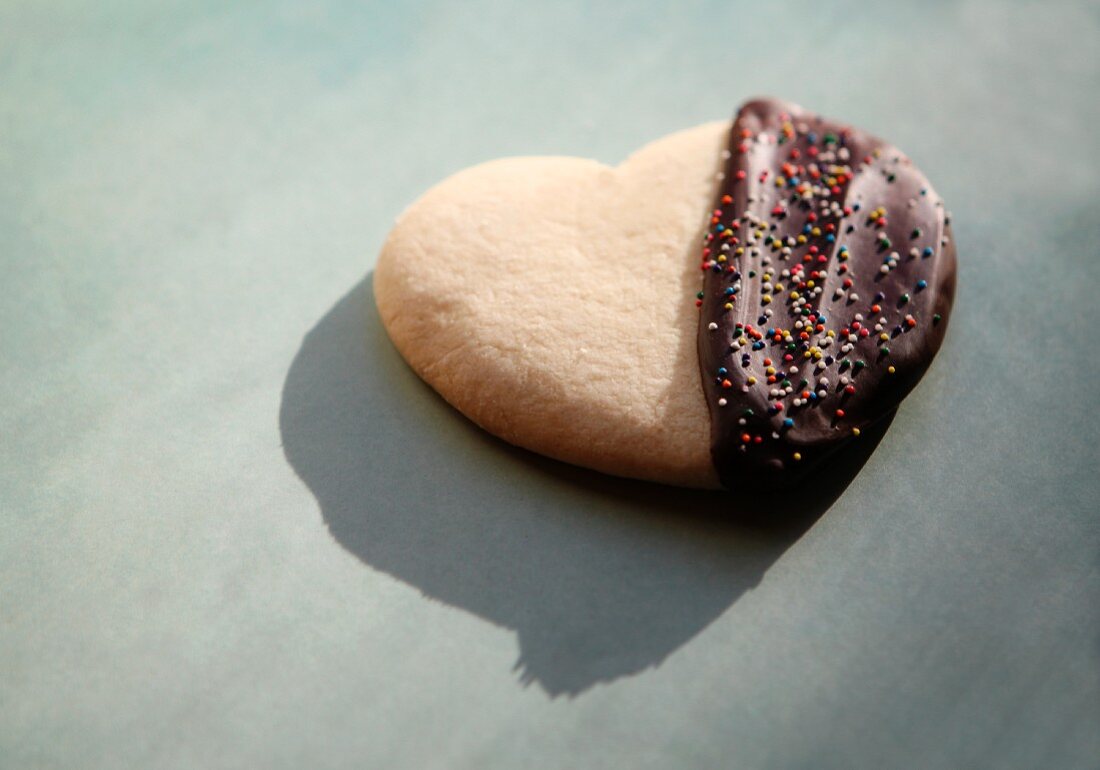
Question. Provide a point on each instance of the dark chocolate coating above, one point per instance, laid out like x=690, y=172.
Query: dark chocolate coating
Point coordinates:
x=833, y=178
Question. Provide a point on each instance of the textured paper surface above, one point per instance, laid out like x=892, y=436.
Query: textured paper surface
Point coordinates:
x=238, y=532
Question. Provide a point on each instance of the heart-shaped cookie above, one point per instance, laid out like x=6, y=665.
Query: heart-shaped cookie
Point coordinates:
x=559, y=303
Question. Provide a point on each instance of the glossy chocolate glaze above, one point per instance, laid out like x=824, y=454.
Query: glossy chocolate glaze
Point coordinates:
x=789, y=172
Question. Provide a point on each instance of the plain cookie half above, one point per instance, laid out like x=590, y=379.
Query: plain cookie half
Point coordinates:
x=546, y=298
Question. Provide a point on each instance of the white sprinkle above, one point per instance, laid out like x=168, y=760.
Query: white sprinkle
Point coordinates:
x=722, y=402
x=712, y=326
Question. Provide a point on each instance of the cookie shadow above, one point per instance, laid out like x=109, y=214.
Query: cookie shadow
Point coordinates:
x=599, y=577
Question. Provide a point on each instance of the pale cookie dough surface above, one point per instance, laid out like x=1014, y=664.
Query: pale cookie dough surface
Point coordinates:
x=550, y=300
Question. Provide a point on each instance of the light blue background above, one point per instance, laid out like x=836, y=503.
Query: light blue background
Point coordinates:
x=237, y=532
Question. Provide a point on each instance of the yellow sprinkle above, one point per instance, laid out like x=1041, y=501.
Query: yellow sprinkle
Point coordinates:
x=739, y=250
x=855, y=431
x=810, y=284
x=891, y=369
x=752, y=380
x=884, y=336
x=801, y=239
x=721, y=257
x=779, y=287
x=766, y=299
x=797, y=456
x=794, y=295
x=770, y=370
x=830, y=333
x=815, y=232
x=728, y=306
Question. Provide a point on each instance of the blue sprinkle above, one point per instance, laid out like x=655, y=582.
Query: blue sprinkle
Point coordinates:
x=922, y=284
x=722, y=371
x=927, y=251
x=788, y=422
